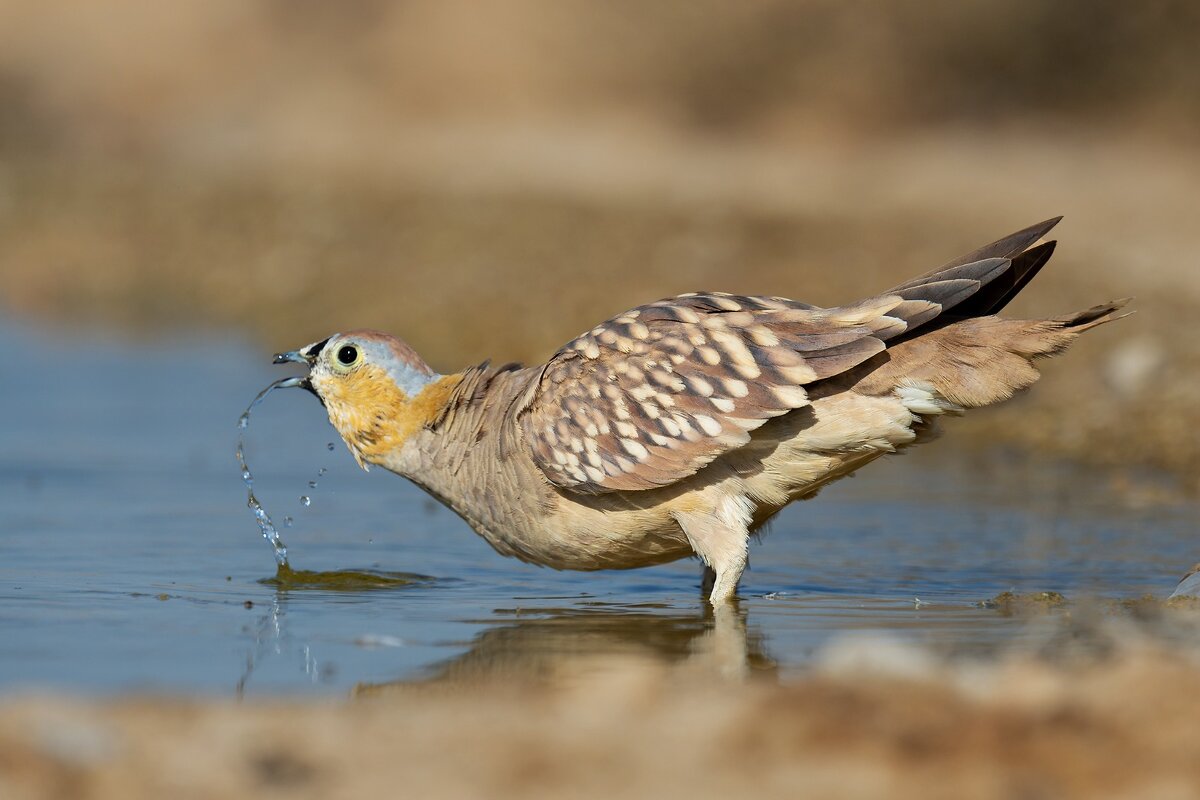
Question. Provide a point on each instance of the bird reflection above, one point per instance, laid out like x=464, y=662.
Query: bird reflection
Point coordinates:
x=524, y=646
x=563, y=643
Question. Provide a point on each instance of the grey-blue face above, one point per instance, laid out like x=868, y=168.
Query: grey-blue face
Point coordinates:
x=344, y=353
x=366, y=381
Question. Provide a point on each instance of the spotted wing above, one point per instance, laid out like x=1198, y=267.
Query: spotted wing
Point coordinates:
x=651, y=396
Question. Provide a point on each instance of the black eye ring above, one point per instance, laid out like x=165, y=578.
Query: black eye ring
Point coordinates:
x=347, y=354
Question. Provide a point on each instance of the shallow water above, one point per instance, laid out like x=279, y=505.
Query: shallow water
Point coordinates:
x=129, y=561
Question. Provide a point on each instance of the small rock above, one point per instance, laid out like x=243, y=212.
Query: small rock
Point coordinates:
x=378, y=640
x=875, y=654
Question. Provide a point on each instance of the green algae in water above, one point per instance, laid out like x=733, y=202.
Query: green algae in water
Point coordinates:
x=1011, y=603
x=1148, y=605
x=342, y=580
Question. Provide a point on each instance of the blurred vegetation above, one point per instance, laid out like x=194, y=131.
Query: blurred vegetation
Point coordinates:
x=489, y=179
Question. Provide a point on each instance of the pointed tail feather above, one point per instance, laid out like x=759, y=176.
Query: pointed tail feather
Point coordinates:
x=1010, y=246
x=1000, y=292
x=980, y=283
x=1087, y=319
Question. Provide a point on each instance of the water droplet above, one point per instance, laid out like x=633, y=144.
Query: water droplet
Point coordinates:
x=287, y=522
x=329, y=446
x=321, y=471
x=243, y=421
x=312, y=484
x=305, y=500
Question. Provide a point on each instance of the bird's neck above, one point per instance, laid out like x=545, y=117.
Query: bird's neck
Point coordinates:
x=377, y=418
x=472, y=458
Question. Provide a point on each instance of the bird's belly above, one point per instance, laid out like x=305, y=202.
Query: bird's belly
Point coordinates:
x=540, y=525
x=586, y=537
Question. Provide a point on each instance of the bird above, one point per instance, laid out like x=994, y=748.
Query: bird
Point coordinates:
x=681, y=427
x=1188, y=586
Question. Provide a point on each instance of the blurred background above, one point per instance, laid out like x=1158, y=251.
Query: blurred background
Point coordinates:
x=187, y=187
x=486, y=180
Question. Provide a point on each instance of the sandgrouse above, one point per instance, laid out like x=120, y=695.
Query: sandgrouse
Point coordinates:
x=681, y=427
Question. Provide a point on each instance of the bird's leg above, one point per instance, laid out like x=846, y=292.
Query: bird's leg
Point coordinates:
x=720, y=538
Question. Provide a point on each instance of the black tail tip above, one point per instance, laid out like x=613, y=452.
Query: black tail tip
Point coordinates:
x=1096, y=315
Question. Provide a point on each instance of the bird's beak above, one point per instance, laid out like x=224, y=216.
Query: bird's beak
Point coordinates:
x=305, y=355
x=298, y=381
x=296, y=356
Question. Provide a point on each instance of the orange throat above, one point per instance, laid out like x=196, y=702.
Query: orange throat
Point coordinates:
x=375, y=417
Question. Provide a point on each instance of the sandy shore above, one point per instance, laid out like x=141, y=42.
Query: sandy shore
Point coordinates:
x=872, y=722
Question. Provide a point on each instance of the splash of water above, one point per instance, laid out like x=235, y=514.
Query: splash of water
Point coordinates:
x=265, y=525
x=315, y=481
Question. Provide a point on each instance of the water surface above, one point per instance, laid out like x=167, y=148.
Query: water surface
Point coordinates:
x=129, y=561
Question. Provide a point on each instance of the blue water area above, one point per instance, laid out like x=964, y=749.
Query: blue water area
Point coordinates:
x=129, y=560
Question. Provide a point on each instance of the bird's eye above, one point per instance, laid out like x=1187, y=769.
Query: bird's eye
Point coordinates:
x=347, y=355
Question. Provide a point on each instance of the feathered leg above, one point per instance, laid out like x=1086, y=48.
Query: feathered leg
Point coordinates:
x=721, y=538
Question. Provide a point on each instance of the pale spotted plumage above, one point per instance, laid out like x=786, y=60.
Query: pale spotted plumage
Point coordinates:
x=657, y=392
x=654, y=394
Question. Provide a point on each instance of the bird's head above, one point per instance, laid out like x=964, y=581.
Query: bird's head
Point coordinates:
x=375, y=388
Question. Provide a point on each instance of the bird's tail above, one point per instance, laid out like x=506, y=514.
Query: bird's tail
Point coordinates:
x=981, y=360
x=1089, y=318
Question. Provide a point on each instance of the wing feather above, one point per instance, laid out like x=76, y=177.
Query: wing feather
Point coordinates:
x=656, y=393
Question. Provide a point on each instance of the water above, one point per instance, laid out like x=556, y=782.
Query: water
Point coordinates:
x=265, y=525
x=128, y=560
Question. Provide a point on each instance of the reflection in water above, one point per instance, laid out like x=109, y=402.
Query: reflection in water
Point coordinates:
x=269, y=640
x=560, y=643
x=270, y=632
x=546, y=645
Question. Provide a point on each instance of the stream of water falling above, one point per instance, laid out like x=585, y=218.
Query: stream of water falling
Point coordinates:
x=265, y=525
